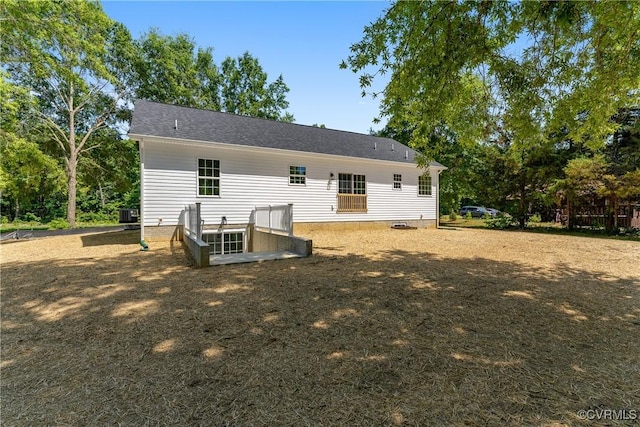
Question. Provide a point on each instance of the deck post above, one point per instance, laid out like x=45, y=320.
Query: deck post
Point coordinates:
x=198, y=222
x=141, y=216
x=290, y=218
x=438, y=199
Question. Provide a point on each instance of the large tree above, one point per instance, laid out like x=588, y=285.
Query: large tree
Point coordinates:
x=458, y=182
x=172, y=69
x=26, y=173
x=245, y=90
x=109, y=174
x=531, y=68
x=67, y=54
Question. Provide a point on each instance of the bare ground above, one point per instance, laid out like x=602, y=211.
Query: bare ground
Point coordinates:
x=392, y=327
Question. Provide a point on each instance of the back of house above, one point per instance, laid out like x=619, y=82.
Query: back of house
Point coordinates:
x=231, y=164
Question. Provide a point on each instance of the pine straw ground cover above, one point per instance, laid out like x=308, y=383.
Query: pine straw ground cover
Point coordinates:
x=392, y=327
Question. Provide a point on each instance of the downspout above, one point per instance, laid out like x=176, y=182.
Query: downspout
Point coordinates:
x=143, y=244
x=438, y=200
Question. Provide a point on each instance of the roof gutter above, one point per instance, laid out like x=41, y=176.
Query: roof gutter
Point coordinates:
x=172, y=140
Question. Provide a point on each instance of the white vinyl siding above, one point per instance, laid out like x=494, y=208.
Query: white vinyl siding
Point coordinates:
x=258, y=177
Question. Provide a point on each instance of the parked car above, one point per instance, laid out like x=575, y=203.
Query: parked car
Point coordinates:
x=494, y=212
x=476, y=211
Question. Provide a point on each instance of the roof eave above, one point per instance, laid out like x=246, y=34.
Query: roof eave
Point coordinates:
x=172, y=140
x=437, y=166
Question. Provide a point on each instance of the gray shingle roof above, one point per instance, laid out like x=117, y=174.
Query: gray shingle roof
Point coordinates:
x=156, y=119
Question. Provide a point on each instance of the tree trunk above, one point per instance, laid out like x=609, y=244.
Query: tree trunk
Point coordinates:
x=102, y=201
x=72, y=186
x=522, y=205
x=612, y=224
x=72, y=163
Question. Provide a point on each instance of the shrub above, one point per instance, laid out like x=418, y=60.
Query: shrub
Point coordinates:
x=535, y=219
x=502, y=222
x=100, y=217
x=58, y=224
x=632, y=232
x=486, y=216
x=468, y=216
x=453, y=215
x=5, y=219
x=31, y=217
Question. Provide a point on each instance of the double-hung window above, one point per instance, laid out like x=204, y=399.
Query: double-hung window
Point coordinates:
x=297, y=175
x=424, y=185
x=208, y=177
x=397, y=181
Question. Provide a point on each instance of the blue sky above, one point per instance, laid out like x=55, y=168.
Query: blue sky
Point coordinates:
x=303, y=41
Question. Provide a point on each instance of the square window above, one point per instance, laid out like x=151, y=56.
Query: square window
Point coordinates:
x=297, y=175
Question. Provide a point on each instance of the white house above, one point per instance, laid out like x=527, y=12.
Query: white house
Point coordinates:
x=231, y=164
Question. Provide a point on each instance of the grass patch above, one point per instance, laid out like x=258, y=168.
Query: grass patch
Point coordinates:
x=584, y=232
x=542, y=228
x=7, y=228
x=53, y=225
x=461, y=221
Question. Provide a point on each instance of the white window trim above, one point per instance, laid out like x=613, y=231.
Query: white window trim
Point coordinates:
x=297, y=175
x=393, y=185
x=430, y=186
x=353, y=183
x=198, y=177
x=222, y=235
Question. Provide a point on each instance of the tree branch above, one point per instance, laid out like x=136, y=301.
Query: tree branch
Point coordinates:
x=55, y=84
x=99, y=124
x=58, y=131
x=85, y=99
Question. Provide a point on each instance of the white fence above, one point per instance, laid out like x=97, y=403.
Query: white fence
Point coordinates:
x=274, y=218
x=193, y=221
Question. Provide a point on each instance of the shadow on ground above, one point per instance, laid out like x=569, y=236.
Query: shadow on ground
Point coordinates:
x=392, y=339
x=118, y=237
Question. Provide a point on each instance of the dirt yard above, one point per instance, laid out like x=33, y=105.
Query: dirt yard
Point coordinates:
x=392, y=327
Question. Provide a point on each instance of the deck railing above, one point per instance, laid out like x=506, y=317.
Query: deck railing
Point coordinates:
x=274, y=218
x=352, y=203
x=193, y=221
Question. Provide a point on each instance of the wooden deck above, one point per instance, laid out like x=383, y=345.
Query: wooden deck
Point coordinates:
x=251, y=257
